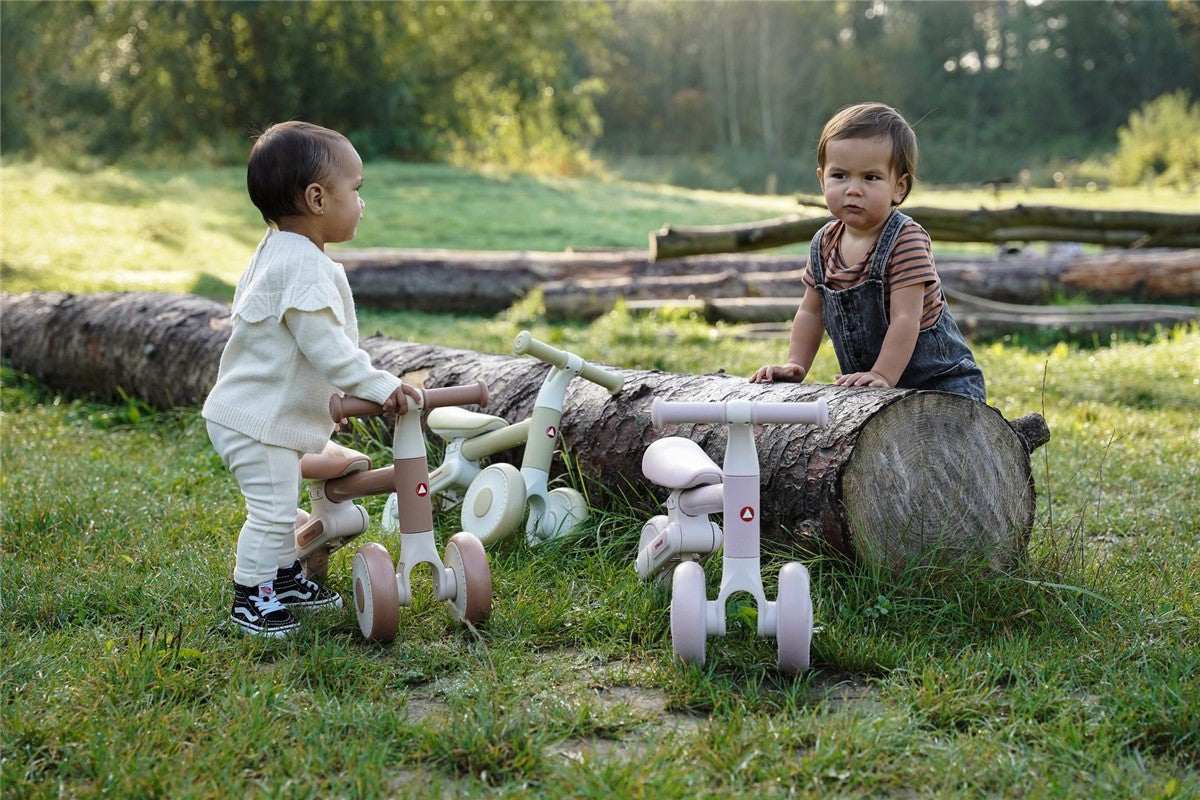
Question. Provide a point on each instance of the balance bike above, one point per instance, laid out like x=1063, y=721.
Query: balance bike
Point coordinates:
x=496, y=496
x=698, y=488
x=379, y=590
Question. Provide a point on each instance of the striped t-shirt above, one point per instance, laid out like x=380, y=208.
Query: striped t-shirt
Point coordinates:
x=911, y=263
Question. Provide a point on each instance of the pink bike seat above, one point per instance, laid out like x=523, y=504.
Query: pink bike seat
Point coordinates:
x=678, y=463
x=335, y=461
x=452, y=422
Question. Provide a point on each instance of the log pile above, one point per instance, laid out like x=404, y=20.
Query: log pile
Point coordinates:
x=898, y=477
x=1130, y=229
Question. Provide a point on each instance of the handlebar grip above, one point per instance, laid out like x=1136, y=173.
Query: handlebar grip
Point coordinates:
x=525, y=344
x=341, y=408
x=761, y=412
x=462, y=395
x=667, y=411
x=814, y=413
x=344, y=407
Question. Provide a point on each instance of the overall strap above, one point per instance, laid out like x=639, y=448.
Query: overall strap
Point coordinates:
x=886, y=241
x=814, y=253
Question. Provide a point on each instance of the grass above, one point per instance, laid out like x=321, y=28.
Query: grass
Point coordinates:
x=1077, y=676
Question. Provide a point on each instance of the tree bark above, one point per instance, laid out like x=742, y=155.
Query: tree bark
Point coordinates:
x=1019, y=223
x=898, y=477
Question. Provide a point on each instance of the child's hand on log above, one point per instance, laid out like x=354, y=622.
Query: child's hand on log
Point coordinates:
x=789, y=372
x=873, y=379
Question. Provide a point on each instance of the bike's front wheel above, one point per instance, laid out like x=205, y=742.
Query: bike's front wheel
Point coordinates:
x=376, y=596
x=494, y=504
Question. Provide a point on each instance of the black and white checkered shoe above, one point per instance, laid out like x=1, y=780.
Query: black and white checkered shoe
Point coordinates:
x=258, y=612
x=296, y=591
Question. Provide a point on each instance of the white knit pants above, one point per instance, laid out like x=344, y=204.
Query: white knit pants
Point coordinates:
x=269, y=478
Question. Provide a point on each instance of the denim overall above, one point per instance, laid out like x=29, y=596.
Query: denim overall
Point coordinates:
x=857, y=321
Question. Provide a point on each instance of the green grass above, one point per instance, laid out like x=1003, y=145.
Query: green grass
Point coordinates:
x=1078, y=676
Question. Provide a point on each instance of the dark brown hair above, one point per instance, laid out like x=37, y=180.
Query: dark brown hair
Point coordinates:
x=284, y=160
x=870, y=121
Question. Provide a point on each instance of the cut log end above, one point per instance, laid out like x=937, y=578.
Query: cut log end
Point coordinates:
x=938, y=479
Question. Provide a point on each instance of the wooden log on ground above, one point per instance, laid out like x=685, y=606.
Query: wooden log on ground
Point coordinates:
x=898, y=477
x=486, y=282
x=977, y=317
x=1018, y=223
x=1025, y=279
x=585, y=299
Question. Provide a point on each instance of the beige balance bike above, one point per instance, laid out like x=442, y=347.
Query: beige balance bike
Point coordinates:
x=463, y=578
x=678, y=540
x=497, y=496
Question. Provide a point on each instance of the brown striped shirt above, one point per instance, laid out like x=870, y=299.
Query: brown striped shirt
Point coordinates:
x=911, y=263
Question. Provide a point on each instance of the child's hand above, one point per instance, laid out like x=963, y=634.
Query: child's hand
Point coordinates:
x=792, y=373
x=397, y=403
x=873, y=379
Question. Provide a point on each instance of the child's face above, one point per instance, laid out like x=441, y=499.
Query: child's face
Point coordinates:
x=343, y=207
x=859, y=184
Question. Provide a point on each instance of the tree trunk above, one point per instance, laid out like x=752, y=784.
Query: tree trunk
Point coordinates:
x=741, y=296
x=1019, y=223
x=897, y=477
x=486, y=282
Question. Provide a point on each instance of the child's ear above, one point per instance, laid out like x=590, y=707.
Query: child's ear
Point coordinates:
x=901, y=190
x=314, y=199
x=821, y=177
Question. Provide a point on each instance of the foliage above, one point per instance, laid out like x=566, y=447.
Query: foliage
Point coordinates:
x=731, y=94
x=411, y=80
x=1161, y=142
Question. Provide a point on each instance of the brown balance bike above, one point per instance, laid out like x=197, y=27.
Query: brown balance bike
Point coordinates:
x=464, y=578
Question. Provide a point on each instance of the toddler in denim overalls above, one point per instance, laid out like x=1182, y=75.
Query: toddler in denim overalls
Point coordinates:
x=871, y=281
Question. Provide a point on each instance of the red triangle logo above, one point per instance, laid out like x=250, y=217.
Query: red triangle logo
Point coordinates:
x=551, y=432
x=747, y=514
x=422, y=489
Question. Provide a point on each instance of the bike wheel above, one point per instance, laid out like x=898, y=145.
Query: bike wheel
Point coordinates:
x=465, y=557
x=688, y=604
x=565, y=511
x=494, y=504
x=376, y=598
x=793, y=618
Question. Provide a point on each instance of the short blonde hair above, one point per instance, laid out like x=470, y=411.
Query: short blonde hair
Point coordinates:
x=870, y=121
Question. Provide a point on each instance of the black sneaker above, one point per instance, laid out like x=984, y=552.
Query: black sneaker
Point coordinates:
x=296, y=591
x=257, y=611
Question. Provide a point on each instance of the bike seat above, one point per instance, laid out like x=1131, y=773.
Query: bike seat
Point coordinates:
x=452, y=422
x=679, y=463
x=335, y=461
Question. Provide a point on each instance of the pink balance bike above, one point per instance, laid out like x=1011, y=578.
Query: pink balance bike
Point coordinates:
x=464, y=579
x=685, y=534
x=496, y=497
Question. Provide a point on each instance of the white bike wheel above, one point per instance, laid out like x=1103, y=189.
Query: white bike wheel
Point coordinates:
x=494, y=504
x=466, y=559
x=376, y=597
x=565, y=511
x=689, y=628
x=793, y=618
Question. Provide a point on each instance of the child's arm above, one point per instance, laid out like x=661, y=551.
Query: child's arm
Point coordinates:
x=807, y=328
x=898, y=343
x=347, y=366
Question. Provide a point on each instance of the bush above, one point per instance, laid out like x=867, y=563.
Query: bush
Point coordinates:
x=1159, y=143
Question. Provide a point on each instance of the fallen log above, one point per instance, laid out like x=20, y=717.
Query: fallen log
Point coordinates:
x=1023, y=279
x=898, y=477
x=486, y=282
x=1016, y=224
x=976, y=316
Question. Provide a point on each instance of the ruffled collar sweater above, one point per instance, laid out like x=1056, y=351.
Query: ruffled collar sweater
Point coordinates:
x=294, y=343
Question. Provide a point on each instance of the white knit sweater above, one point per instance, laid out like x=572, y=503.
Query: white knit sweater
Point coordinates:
x=294, y=343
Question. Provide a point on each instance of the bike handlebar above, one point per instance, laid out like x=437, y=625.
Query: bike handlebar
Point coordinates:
x=526, y=344
x=759, y=412
x=343, y=407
